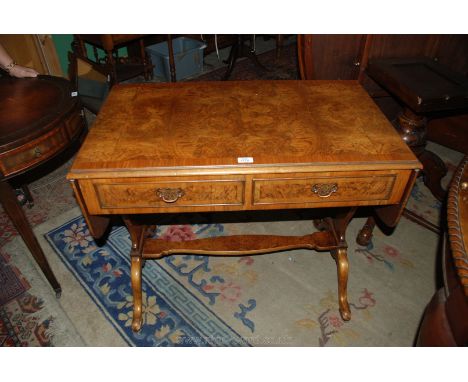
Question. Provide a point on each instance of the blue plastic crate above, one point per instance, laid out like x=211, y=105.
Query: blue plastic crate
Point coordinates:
x=188, y=58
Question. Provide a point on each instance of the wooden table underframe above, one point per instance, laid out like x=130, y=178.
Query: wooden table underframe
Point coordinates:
x=331, y=238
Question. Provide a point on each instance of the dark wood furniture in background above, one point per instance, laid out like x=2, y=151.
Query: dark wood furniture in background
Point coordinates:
x=425, y=87
x=240, y=49
x=39, y=118
x=445, y=322
x=345, y=57
x=332, y=57
x=241, y=46
x=450, y=131
x=117, y=68
x=138, y=62
x=239, y=146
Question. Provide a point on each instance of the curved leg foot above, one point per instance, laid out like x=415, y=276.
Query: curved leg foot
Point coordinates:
x=365, y=234
x=341, y=258
x=136, y=288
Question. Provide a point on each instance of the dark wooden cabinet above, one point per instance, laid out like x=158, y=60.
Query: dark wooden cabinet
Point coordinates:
x=332, y=57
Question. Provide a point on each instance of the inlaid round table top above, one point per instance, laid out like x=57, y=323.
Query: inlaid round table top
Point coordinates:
x=30, y=107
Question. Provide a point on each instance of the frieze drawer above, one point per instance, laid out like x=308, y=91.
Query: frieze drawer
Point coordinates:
x=141, y=195
x=329, y=189
x=34, y=152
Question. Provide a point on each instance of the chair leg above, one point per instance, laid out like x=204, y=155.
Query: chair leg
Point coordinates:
x=171, y=58
x=279, y=45
x=147, y=67
x=231, y=61
x=112, y=68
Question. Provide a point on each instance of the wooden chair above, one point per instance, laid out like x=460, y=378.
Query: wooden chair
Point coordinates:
x=116, y=68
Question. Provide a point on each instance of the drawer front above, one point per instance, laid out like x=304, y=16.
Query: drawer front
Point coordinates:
x=140, y=194
x=32, y=153
x=326, y=189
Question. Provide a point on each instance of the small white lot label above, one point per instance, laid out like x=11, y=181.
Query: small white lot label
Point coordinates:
x=74, y=94
x=245, y=160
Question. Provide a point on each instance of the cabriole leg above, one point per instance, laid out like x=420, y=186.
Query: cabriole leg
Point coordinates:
x=136, y=289
x=137, y=235
x=342, y=266
x=339, y=224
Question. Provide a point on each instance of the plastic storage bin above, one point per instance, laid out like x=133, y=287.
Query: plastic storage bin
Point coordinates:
x=188, y=58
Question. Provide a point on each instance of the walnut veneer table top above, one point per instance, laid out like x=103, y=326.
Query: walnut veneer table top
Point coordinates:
x=160, y=128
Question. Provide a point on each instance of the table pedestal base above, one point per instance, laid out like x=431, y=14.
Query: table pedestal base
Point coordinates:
x=330, y=238
x=413, y=129
x=239, y=50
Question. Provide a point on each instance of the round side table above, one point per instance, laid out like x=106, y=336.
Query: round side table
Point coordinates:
x=39, y=118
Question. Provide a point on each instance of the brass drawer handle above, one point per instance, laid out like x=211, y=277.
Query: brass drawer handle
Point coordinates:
x=37, y=152
x=170, y=195
x=324, y=190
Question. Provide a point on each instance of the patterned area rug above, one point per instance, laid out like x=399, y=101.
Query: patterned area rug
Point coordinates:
x=31, y=315
x=173, y=315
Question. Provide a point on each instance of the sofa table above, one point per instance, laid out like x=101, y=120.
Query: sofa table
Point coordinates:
x=239, y=146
